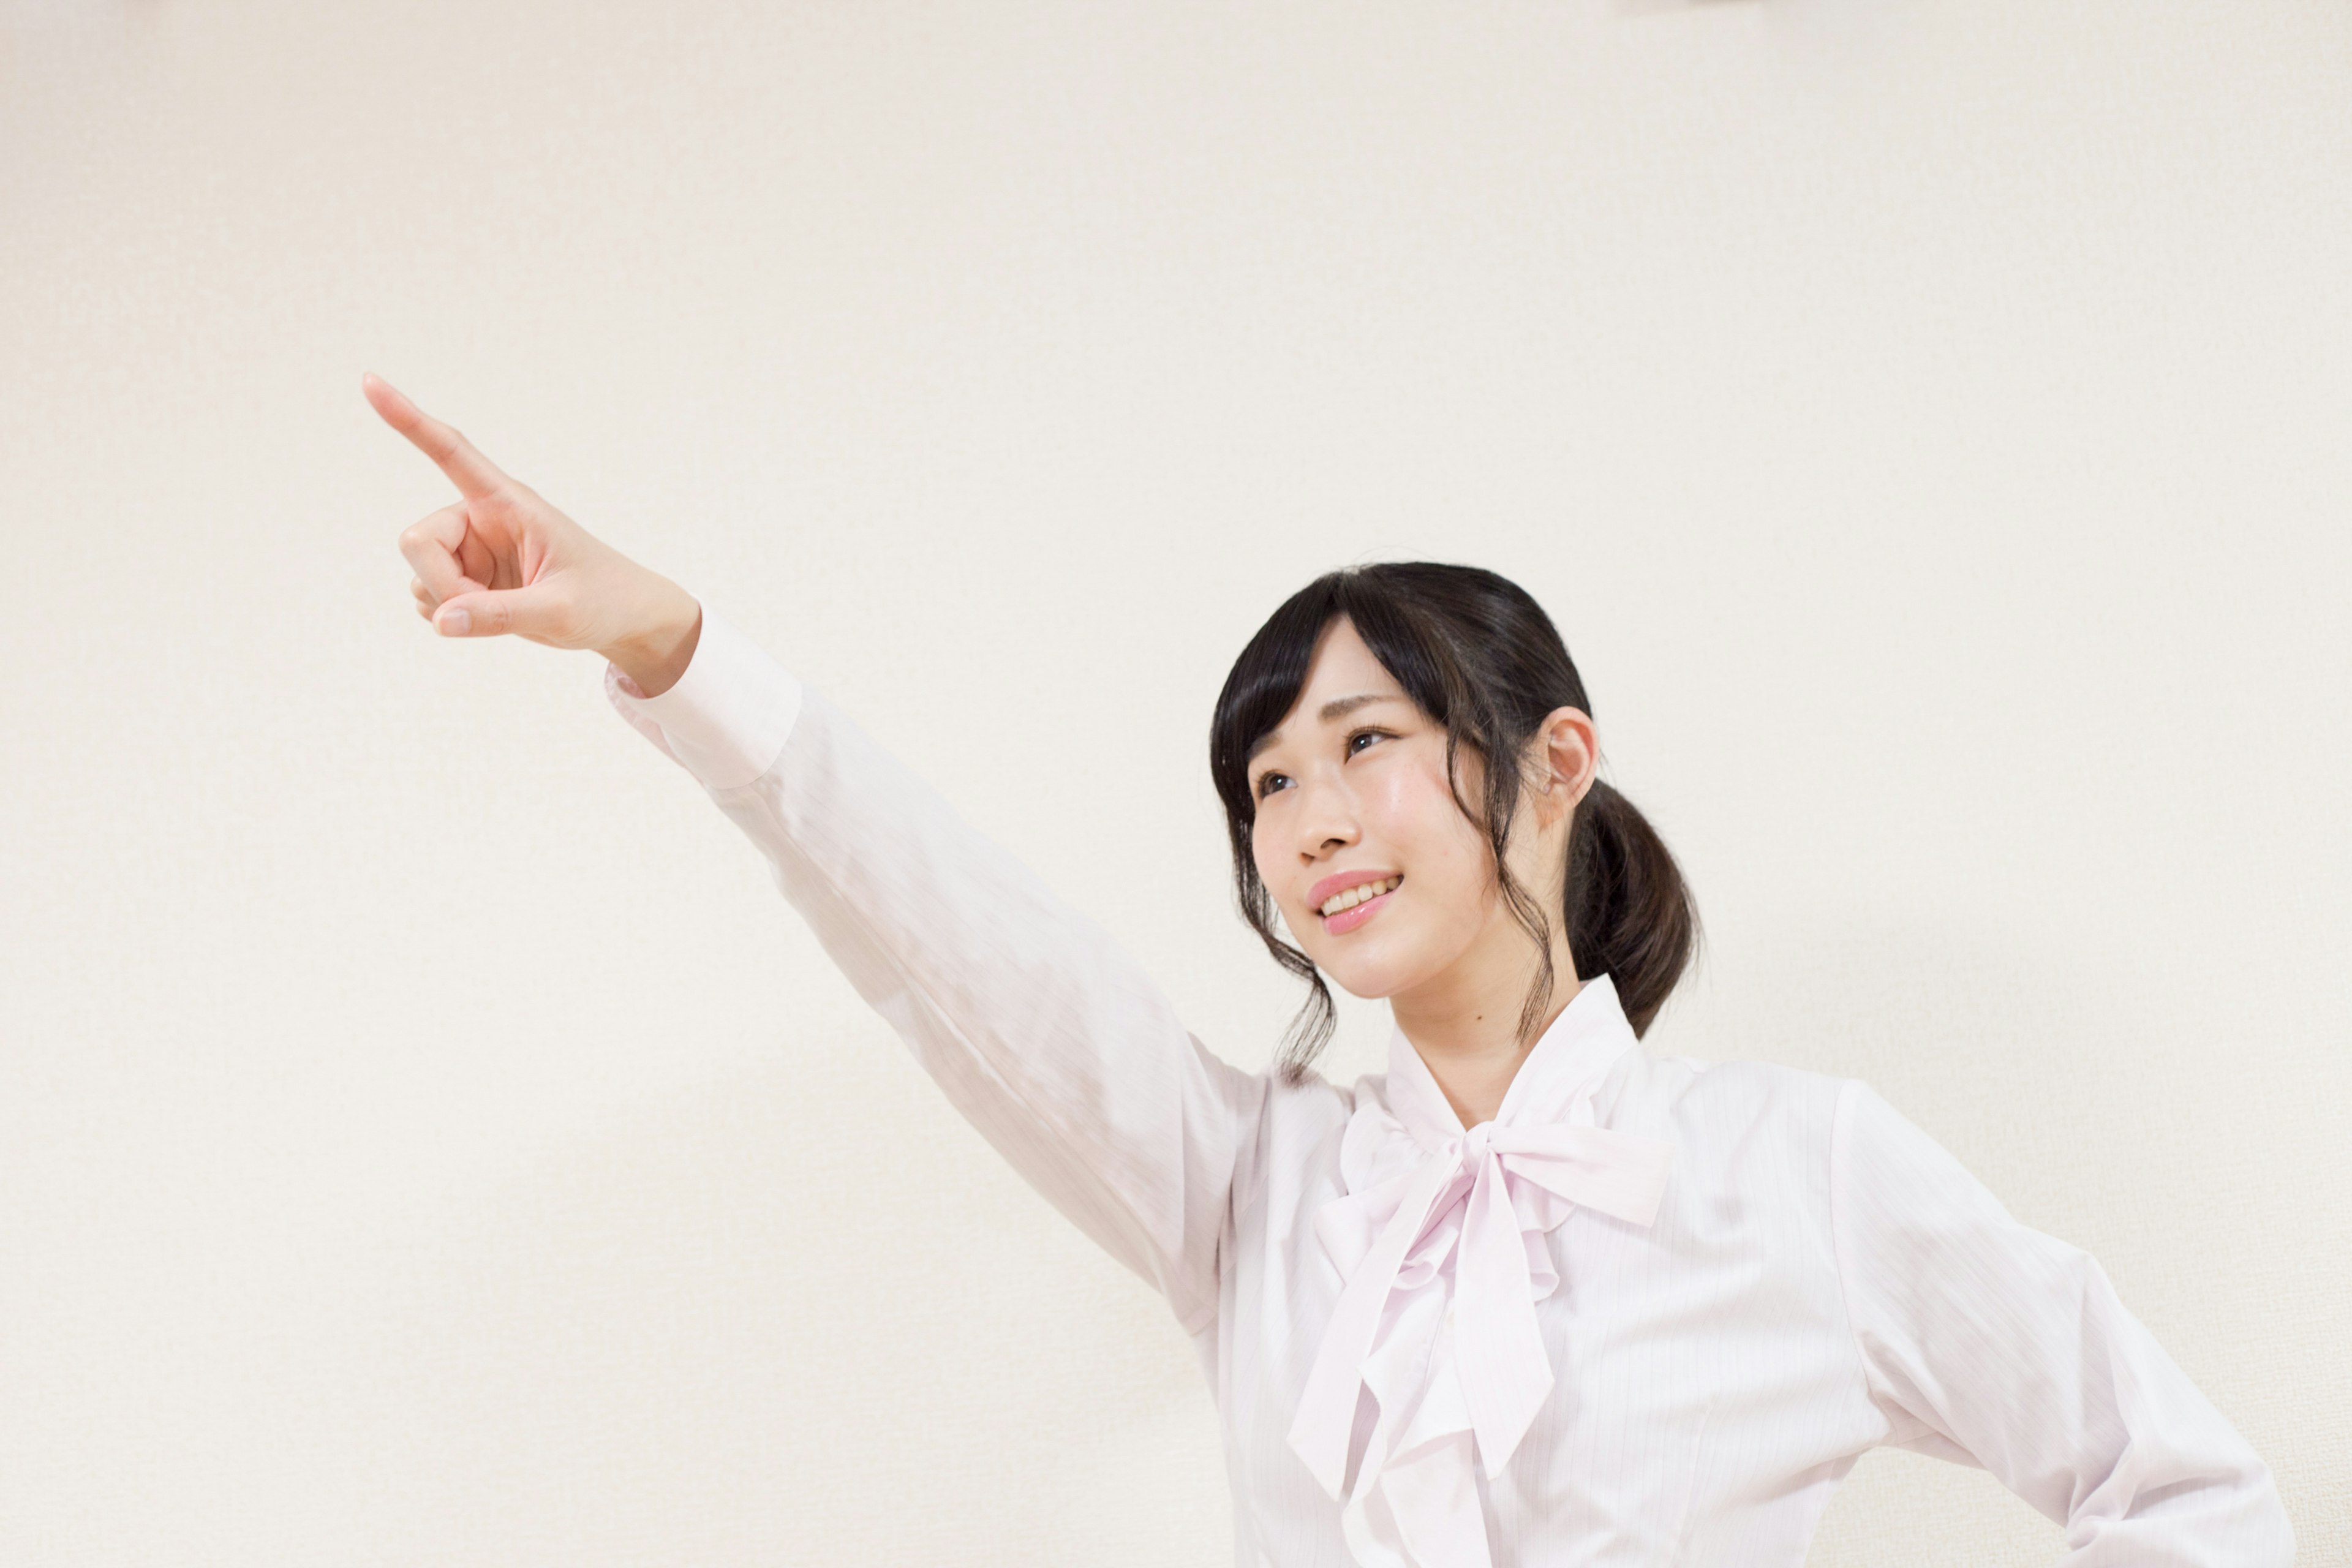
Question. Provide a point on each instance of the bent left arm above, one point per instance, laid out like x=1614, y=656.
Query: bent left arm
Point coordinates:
x=1991, y=1343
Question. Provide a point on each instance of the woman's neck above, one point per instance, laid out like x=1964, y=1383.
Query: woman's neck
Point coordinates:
x=1466, y=1027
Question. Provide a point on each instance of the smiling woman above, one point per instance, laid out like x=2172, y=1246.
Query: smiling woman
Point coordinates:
x=1412, y=717
x=1532, y=1295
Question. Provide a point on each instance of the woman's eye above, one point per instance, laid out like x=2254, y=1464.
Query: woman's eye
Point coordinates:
x=1269, y=782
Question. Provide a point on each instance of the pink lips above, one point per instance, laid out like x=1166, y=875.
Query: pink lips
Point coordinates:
x=1348, y=919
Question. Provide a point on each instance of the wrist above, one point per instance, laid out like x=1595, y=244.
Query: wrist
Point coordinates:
x=657, y=655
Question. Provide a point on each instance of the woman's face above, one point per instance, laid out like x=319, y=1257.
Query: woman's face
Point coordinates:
x=1351, y=798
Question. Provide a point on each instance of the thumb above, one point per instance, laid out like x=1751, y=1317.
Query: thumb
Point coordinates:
x=533, y=611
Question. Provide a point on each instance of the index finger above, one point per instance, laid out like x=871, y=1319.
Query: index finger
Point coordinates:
x=473, y=474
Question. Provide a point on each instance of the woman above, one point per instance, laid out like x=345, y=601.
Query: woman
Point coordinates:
x=1533, y=1296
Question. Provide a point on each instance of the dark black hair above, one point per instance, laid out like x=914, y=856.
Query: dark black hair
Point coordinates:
x=1482, y=660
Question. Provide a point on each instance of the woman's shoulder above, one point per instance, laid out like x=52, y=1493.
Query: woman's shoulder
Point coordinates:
x=1754, y=1146
x=1730, y=1112
x=1313, y=1101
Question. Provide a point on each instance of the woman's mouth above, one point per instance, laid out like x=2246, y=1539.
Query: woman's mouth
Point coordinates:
x=1346, y=910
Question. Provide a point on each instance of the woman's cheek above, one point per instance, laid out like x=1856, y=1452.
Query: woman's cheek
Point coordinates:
x=1441, y=850
x=1267, y=872
x=1414, y=812
x=1258, y=850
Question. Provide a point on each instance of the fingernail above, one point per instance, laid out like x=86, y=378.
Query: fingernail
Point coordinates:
x=457, y=623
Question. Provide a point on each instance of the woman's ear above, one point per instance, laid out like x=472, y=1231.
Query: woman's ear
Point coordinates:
x=1567, y=758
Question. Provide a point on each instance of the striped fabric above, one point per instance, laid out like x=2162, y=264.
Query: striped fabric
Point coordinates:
x=1819, y=1275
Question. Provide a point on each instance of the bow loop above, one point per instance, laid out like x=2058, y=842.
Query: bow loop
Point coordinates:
x=1621, y=1174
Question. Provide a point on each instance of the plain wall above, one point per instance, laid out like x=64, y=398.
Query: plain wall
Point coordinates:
x=426, y=1135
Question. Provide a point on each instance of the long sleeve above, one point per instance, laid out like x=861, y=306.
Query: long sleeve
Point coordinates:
x=1991, y=1343
x=1040, y=1029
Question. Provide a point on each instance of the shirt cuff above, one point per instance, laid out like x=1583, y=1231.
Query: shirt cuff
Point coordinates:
x=726, y=720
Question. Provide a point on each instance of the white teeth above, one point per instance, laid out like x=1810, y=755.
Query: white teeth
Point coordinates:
x=1343, y=902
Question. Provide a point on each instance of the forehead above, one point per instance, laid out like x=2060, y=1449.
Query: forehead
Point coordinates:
x=1343, y=665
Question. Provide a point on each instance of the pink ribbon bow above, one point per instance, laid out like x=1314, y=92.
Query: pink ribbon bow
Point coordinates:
x=1428, y=1200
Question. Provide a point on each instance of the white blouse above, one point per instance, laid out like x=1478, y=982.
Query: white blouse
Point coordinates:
x=1652, y=1313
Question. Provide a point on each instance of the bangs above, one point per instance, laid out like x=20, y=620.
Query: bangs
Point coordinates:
x=1265, y=681
x=1261, y=686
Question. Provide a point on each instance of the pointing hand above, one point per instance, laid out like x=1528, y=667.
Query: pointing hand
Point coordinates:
x=501, y=560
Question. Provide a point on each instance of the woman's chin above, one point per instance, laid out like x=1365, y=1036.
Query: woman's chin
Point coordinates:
x=1379, y=964
x=1367, y=977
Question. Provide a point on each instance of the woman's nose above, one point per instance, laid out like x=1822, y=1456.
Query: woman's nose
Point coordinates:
x=1326, y=818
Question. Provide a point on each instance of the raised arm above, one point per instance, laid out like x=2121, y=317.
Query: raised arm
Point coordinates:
x=1040, y=1029
x=1991, y=1343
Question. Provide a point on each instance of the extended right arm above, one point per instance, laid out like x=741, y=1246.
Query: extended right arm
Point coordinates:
x=1042, y=1031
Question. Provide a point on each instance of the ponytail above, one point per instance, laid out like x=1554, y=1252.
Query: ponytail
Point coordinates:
x=1629, y=915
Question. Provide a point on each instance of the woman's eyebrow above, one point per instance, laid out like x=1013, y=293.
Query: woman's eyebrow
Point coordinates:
x=1332, y=710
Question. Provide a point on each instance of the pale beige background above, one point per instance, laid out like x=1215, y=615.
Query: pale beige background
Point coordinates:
x=425, y=1136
